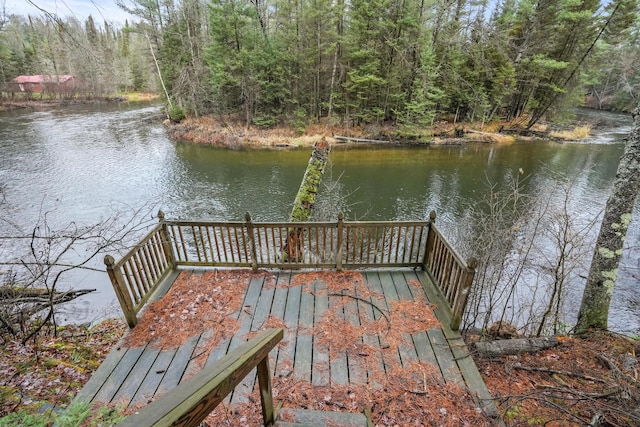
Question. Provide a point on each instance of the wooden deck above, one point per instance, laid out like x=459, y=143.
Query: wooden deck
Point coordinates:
x=132, y=376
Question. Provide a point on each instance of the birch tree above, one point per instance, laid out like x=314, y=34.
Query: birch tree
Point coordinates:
x=594, y=310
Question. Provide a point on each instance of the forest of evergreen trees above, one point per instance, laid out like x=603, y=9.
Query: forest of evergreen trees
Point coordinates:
x=350, y=61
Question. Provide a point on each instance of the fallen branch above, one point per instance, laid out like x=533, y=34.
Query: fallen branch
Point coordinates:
x=616, y=370
x=580, y=395
x=514, y=346
x=365, y=301
x=556, y=372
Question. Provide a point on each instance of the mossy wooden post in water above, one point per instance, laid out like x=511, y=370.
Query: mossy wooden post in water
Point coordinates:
x=306, y=198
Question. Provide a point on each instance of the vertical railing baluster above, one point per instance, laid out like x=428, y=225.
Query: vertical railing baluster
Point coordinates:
x=340, y=228
x=252, y=241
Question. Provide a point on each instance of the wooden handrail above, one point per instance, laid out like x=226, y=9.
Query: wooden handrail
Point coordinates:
x=338, y=245
x=191, y=402
x=448, y=270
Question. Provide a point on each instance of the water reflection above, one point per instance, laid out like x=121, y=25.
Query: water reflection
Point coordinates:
x=85, y=162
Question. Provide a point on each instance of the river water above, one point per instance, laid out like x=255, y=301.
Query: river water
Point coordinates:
x=82, y=164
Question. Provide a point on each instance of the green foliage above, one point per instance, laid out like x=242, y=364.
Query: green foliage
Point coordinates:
x=175, y=112
x=77, y=414
x=373, y=61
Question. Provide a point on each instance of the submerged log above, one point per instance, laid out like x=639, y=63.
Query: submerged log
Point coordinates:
x=515, y=346
x=306, y=198
x=344, y=139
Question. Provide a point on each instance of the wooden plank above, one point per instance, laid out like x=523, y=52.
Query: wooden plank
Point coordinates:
x=439, y=304
x=286, y=354
x=338, y=362
x=373, y=278
x=375, y=361
x=357, y=372
x=118, y=375
x=164, y=286
x=202, y=347
x=97, y=380
x=304, y=343
x=406, y=350
x=177, y=367
x=248, y=304
x=307, y=417
x=459, y=350
x=471, y=375
x=247, y=313
x=278, y=310
x=448, y=366
x=421, y=340
x=193, y=400
x=320, y=374
x=260, y=317
x=263, y=307
x=150, y=384
x=135, y=378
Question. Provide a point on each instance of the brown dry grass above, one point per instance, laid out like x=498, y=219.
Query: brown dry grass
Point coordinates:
x=227, y=131
x=575, y=134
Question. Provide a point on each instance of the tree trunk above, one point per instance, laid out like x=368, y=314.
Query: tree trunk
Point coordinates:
x=594, y=310
x=306, y=198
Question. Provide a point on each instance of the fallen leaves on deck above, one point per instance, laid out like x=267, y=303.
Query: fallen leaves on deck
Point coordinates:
x=194, y=304
x=355, y=324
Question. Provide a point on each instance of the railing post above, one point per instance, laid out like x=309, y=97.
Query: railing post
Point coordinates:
x=166, y=240
x=266, y=394
x=339, y=241
x=463, y=295
x=120, y=288
x=252, y=241
x=431, y=237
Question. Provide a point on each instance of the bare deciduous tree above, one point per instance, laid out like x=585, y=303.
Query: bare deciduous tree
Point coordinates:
x=36, y=264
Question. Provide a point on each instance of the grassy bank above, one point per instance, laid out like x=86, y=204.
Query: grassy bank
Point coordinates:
x=225, y=131
x=47, y=372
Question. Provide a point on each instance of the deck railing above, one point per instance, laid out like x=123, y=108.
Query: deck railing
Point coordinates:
x=289, y=245
x=191, y=402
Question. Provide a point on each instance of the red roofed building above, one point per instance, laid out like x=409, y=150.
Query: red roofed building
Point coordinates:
x=54, y=84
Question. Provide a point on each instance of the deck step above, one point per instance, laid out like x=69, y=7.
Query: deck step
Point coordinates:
x=308, y=418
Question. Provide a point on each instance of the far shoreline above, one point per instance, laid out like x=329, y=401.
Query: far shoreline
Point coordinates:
x=226, y=132
x=229, y=133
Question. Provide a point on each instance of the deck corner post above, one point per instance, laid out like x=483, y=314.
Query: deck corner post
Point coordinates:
x=431, y=238
x=266, y=394
x=166, y=241
x=340, y=238
x=461, y=301
x=120, y=288
x=252, y=241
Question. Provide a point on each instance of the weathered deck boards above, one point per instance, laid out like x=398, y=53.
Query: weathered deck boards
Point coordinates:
x=133, y=376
